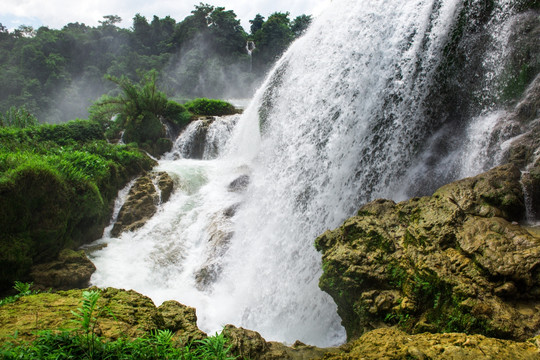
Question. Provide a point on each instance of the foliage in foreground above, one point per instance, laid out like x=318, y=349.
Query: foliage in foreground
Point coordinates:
x=83, y=342
x=156, y=345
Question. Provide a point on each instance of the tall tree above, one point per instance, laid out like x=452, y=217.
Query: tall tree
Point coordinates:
x=256, y=23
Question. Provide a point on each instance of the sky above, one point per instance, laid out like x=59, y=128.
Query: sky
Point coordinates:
x=57, y=13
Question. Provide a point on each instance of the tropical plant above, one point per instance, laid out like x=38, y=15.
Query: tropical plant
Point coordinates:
x=87, y=318
x=215, y=347
x=140, y=109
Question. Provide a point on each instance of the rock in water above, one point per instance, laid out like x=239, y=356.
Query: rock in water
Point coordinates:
x=450, y=262
x=239, y=184
x=142, y=201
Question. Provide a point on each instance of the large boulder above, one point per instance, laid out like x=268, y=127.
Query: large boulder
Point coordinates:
x=142, y=201
x=455, y=261
x=181, y=320
x=249, y=344
x=71, y=270
x=129, y=314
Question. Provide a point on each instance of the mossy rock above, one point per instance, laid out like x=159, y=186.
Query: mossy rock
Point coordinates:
x=451, y=262
x=34, y=216
x=71, y=270
x=249, y=344
x=387, y=344
x=120, y=314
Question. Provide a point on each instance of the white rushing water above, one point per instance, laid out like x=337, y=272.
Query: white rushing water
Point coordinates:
x=341, y=117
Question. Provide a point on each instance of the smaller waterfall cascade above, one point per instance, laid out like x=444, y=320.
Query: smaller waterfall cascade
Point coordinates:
x=250, y=46
x=531, y=216
x=204, y=138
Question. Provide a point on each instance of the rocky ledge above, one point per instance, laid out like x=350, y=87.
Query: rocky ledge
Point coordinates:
x=456, y=261
x=131, y=315
x=391, y=344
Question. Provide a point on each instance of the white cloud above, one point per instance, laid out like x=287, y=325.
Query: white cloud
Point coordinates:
x=57, y=13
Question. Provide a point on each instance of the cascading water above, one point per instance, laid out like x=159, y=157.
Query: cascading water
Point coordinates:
x=340, y=121
x=250, y=46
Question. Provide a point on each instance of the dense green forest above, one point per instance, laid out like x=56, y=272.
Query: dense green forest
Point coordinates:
x=57, y=74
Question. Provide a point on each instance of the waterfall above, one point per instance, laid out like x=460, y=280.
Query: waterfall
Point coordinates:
x=250, y=46
x=341, y=120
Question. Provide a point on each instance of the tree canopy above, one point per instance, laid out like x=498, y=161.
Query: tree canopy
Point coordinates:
x=56, y=74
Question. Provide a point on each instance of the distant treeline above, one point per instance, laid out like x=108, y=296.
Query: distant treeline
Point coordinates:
x=57, y=74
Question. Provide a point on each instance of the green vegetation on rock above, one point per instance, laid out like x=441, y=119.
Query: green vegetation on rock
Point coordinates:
x=57, y=185
x=109, y=324
x=210, y=107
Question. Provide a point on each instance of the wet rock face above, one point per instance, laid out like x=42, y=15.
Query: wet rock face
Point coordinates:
x=524, y=150
x=220, y=231
x=453, y=261
x=239, y=184
x=71, y=270
x=197, y=146
x=142, y=201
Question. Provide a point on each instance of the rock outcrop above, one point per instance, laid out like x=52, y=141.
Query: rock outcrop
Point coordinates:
x=387, y=344
x=129, y=314
x=71, y=270
x=145, y=195
x=248, y=344
x=453, y=262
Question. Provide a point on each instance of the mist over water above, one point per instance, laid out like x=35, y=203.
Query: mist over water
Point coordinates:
x=340, y=121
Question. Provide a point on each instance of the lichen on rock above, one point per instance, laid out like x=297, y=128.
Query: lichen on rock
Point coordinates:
x=451, y=262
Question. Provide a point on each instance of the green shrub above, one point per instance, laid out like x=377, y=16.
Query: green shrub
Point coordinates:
x=209, y=107
x=177, y=114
